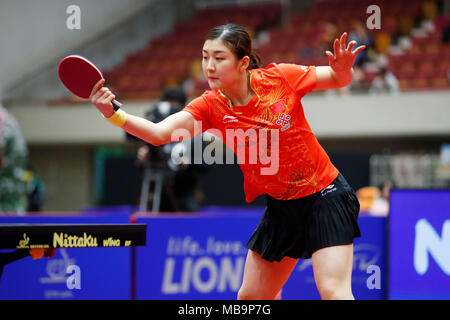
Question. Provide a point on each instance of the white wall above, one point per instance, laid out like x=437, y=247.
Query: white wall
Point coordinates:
x=67, y=174
x=34, y=33
x=410, y=114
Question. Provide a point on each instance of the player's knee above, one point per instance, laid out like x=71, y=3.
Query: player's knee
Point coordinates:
x=335, y=291
x=241, y=295
x=245, y=294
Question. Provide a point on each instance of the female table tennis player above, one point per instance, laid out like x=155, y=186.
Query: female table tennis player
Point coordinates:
x=311, y=209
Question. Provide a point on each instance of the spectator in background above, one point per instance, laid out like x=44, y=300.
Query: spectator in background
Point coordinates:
x=359, y=85
x=429, y=9
x=385, y=82
x=35, y=190
x=326, y=33
x=424, y=20
x=362, y=37
x=13, y=160
x=380, y=206
x=445, y=35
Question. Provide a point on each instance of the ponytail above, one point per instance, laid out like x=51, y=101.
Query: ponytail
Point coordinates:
x=255, y=61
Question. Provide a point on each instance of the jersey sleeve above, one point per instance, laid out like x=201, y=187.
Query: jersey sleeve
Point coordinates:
x=301, y=78
x=199, y=108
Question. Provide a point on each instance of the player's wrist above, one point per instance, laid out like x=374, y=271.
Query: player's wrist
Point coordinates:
x=118, y=118
x=342, y=77
x=108, y=113
x=341, y=70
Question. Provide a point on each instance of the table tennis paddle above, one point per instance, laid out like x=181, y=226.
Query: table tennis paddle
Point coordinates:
x=79, y=76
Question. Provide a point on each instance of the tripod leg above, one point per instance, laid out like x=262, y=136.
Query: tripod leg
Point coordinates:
x=157, y=194
x=145, y=190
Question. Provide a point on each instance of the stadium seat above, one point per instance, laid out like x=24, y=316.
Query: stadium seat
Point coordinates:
x=440, y=83
x=406, y=70
x=382, y=42
x=404, y=84
x=426, y=69
x=420, y=82
x=172, y=57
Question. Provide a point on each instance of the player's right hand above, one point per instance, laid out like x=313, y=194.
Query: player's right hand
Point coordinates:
x=101, y=97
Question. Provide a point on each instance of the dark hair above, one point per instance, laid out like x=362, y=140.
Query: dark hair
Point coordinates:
x=237, y=39
x=174, y=94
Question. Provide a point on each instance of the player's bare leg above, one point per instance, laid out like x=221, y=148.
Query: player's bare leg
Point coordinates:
x=333, y=272
x=263, y=280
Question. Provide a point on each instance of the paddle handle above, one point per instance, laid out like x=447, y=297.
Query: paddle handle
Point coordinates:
x=116, y=105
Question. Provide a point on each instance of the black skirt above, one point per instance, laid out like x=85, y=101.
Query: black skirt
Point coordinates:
x=299, y=227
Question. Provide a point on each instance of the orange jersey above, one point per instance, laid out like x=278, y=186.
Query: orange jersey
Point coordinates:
x=273, y=117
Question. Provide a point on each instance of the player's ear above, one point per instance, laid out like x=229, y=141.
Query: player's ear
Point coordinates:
x=243, y=63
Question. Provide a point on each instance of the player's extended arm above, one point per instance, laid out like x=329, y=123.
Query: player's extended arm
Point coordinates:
x=339, y=73
x=153, y=133
x=161, y=132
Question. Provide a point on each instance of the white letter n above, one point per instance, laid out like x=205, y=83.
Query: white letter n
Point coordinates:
x=427, y=240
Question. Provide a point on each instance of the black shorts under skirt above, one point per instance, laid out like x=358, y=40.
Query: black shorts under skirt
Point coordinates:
x=299, y=227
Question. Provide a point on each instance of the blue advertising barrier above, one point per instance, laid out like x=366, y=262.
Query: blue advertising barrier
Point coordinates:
x=192, y=257
x=419, y=244
x=109, y=210
x=202, y=256
x=104, y=272
x=369, y=266
x=188, y=256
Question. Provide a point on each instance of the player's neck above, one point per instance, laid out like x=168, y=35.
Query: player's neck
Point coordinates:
x=241, y=92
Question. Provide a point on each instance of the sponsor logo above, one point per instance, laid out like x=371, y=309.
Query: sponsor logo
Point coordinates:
x=210, y=266
x=229, y=119
x=39, y=246
x=23, y=244
x=328, y=190
x=64, y=240
x=364, y=256
x=284, y=120
x=110, y=242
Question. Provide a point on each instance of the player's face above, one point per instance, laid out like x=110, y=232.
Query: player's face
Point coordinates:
x=220, y=65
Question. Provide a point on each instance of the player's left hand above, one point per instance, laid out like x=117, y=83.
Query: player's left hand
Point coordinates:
x=343, y=58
